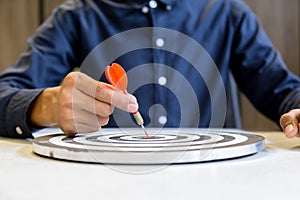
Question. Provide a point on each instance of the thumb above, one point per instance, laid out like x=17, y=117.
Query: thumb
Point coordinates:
x=289, y=123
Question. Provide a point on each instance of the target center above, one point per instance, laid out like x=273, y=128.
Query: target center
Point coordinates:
x=149, y=137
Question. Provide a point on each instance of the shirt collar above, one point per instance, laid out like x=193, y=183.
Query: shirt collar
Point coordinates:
x=143, y=2
x=168, y=2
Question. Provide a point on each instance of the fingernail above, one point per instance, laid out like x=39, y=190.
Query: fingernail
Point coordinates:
x=132, y=99
x=288, y=130
x=132, y=107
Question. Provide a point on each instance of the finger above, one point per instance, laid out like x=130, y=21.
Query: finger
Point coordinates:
x=91, y=104
x=124, y=101
x=81, y=128
x=290, y=131
x=83, y=82
x=82, y=122
x=86, y=127
x=91, y=87
x=289, y=123
x=298, y=133
x=102, y=92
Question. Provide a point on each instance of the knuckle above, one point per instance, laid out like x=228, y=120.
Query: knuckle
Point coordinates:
x=103, y=93
x=66, y=101
x=285, y=118
x=66, y=95
x=71, y=78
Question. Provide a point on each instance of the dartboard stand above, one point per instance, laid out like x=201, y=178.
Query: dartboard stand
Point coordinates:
x=167, y=146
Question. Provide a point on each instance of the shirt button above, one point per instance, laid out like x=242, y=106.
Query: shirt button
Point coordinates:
x=162, y=80
x=169, y=7
x=162, y=120
x=19, y=130
x=153, y=4
x=145, y=9
x=160, y=42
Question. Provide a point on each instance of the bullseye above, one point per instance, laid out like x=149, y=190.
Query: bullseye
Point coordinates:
x=148, y=137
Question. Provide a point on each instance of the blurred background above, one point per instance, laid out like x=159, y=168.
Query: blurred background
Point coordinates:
x=280, y=18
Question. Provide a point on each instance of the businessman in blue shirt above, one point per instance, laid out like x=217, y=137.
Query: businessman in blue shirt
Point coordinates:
x=41, y=89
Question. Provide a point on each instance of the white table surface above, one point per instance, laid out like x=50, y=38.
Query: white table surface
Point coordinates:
x=271, y=174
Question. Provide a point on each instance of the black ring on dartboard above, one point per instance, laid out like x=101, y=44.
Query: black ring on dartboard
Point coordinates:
x=70, y=140
x=95, y=139
x=158, y=145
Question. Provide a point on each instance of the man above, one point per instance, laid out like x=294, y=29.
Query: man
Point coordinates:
x=41, y=90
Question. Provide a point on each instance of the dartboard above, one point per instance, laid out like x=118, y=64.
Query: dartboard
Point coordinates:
x=164, y=146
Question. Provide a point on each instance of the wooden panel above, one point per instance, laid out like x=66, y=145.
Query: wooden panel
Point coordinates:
x=18, y=19
x=49, y=5
x=280, y=18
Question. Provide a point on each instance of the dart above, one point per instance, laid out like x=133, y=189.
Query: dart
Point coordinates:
x=116, y=75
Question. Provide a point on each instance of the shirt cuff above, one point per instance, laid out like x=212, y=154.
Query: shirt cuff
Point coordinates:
x=17, y=122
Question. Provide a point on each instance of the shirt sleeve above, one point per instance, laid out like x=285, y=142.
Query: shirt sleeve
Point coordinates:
x=260, y=70
x=14, y=122
x=50, y=57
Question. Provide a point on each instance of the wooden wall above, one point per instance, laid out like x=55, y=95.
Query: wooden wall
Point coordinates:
x=280, y=18
x=49, y=5
x=19, y=19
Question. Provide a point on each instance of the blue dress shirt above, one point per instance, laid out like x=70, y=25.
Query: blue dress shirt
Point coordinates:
x=175, y=55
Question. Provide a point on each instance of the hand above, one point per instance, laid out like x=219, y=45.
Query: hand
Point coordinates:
x=81, y=104
x=290, y=123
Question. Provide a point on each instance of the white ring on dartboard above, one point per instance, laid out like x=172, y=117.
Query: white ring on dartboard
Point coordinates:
x=175, y=140
x=190, y=145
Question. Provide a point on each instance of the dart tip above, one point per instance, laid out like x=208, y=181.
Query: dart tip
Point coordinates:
x=140, y=122
x=144, y=130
